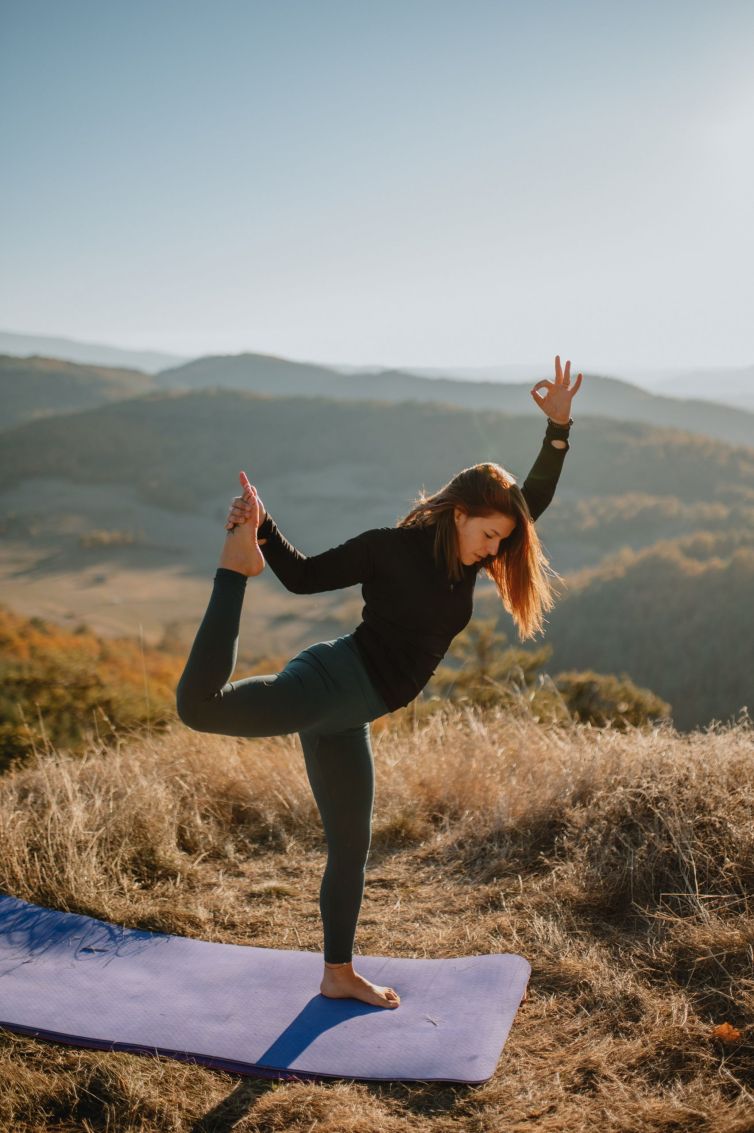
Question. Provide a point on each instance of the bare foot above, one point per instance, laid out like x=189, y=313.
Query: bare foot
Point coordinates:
x=340, y=981
x=241, y=550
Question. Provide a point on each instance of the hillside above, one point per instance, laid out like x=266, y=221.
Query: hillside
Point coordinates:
x=161, y=442
x=676, y=617
x=618, y=864
x=31, y=388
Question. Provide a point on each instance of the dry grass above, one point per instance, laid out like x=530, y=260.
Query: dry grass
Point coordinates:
x=620, y=864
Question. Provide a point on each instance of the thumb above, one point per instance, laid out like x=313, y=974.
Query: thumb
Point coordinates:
x=247, y=488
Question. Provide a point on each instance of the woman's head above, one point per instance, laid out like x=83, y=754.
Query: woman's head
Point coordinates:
x=481, y=516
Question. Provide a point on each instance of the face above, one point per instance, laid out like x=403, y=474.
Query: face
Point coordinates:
x=480, y=535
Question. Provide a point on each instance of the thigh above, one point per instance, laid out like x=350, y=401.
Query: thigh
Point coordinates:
x=273, y=704
x=340, y=766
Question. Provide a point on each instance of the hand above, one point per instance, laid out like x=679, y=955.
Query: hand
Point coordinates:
x=556, y=403
x=247, y=507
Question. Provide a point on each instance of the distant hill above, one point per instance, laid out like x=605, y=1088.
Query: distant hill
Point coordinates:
x=91, y=353
x=36, y=387
x=599, y=396
x=336, y=466
x=165, y=441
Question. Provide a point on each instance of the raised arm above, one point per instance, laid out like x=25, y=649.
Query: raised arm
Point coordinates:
x=341, y=566
x=539, y=486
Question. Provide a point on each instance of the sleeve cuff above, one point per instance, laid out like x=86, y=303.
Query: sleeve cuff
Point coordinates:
x=556, y=431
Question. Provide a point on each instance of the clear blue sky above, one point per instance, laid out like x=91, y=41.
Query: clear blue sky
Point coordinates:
x=417, y=182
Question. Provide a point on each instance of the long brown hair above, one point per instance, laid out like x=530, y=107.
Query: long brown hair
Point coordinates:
x=520, y=570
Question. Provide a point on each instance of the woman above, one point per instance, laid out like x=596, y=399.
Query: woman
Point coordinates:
x=418, y=580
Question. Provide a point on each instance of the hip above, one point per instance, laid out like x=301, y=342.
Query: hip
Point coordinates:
x=342, y=670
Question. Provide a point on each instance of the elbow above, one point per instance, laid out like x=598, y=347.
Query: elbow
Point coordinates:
x=295, y=586
x=301, y=583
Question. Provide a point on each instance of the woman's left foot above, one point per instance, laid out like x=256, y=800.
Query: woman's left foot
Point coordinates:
x=341, y=982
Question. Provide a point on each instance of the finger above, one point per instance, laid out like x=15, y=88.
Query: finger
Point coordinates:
x=558, y=371
x=567, y=375
x=544, y=382
x=536, y=397
x=577, y=383
x=247, y=487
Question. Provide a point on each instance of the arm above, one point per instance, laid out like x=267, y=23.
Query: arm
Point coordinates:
x=539, y=486
x=341, y=566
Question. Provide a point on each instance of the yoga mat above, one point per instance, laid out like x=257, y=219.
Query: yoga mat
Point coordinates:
x=89, y=983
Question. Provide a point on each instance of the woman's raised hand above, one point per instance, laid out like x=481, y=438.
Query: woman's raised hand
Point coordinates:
x=556, y=402
x=247, y=507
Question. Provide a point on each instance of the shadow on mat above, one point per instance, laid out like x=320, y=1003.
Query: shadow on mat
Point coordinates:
x=30, y=931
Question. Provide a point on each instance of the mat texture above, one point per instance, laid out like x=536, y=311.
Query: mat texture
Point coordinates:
x=249, y=1010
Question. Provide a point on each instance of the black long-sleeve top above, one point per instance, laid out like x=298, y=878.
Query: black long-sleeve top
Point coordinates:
x=411, y=610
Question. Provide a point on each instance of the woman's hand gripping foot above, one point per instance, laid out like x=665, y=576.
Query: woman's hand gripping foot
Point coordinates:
x=241, y=551
x=340, y=981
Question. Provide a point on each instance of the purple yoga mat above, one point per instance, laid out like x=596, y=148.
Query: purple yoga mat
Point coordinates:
x=249, y=1010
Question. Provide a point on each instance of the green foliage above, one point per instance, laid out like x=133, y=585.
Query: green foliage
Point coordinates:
x=603, y=699
x=481, y=671
x=59, y=688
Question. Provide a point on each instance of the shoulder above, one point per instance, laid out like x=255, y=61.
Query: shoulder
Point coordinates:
x=393, y=537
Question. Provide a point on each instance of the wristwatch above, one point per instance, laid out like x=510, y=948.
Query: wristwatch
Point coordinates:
x=559, y=424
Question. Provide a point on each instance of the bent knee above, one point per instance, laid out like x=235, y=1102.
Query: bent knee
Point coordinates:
x=191, y=711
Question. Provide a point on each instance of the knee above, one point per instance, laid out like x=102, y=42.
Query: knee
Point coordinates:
x=351, y=850
x=188, y=709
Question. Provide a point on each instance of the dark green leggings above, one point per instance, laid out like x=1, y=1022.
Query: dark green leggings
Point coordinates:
x=325, y=694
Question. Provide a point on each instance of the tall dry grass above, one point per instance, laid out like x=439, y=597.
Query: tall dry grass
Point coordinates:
x=620, y=863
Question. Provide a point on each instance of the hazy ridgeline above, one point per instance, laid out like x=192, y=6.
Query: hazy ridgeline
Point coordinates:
x=620, y=863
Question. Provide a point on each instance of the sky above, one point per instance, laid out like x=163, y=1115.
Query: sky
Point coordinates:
x=382, y=182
